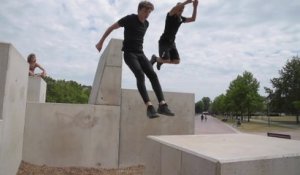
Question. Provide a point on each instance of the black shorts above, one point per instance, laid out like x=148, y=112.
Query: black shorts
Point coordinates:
x=168, y=51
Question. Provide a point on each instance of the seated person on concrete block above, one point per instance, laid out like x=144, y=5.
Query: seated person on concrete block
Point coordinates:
x=31, y=59
x=135, y=26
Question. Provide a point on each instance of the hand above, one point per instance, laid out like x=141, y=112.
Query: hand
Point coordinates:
x=195, y=3
x=43, y=74
x=98, y=46
x=31, y=73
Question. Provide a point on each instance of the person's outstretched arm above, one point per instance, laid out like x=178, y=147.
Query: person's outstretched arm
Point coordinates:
x=43, y=74
x=178, y=7
x=193, y=18
x=107, y=32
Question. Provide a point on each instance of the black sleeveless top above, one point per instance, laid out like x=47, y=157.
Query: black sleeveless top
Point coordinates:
x=172, y=25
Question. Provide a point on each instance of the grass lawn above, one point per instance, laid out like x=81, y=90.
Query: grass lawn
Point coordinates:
x=261, y=124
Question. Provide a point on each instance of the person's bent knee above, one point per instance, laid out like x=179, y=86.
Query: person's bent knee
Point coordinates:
x=177, y=61
x=167, y=61
x=163, y=60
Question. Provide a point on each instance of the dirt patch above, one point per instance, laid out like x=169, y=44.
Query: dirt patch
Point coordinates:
x=30, y=169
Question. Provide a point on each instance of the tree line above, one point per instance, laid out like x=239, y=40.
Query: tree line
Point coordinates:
x=62, y=91
x=242, y=97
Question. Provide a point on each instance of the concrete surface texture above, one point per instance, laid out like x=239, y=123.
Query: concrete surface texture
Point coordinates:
x=136, y=126
x=229, y=154
x=37, y=88
x=62, y=135
x=107, y=82
x=13, y=97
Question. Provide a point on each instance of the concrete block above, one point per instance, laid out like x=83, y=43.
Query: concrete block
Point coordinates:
x=13, y=97
x=194, y=165
x=1, y=132
x=4, y=53
x=136, y=126
x=106, y=87
x=230, y=154
x=64, y=135
x=37, y=88
x=152, y=157
x=170, y=160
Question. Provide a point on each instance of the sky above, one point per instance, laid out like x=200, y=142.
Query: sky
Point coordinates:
x=227, y=38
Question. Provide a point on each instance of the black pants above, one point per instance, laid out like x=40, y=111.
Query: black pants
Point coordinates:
x=140, y=65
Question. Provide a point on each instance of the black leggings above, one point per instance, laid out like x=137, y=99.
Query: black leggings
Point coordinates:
x=140, y=65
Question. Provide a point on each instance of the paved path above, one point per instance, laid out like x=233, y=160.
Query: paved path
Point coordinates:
x=215, y=126
x=212, y=126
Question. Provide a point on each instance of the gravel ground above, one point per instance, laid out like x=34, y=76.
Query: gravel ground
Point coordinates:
x=30, y=169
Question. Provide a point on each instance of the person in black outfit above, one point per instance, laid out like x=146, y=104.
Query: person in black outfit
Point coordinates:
x=135, y=26
x=167, y=48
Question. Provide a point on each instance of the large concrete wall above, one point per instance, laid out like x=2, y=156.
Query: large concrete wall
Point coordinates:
x=100, y=135
x=72, y=135
x=136, y=126
x=54, y=136
x=1, y=134
x=4, y=52
x=110, y=132
x=13, y=97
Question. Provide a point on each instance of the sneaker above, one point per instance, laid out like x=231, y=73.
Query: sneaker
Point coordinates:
x=158, y=65
x=163, y=109
x=153, y=59
x=151, y=113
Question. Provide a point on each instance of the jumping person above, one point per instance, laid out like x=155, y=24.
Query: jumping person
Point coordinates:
x=135, y=26
x=31, y=59
x=167, y=48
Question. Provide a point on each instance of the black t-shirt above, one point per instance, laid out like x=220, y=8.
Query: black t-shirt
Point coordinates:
x=134, y=32
x=172, y=25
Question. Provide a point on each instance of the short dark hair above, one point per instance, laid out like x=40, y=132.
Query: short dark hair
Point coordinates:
x=145, y=4
x=30, y=57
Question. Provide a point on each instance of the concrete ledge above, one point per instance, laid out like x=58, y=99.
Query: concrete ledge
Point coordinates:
x=36, y=89
x=13, y=97
x=64, y=135
x=136, y=126
x=1, y=130
x=227, y=154
x=4, y=54
x=107, y=82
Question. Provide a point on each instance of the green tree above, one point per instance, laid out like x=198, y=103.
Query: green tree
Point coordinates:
x=206, y=103
x=286, y=88
x=199, y=107
x=297, y=106
x=242, y=96
x=219, y=105
x=61, y=91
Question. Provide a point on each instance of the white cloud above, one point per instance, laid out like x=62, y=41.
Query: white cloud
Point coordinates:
x=227, y=38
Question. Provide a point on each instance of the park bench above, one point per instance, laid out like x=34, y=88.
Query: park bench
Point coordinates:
x=284, y=136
